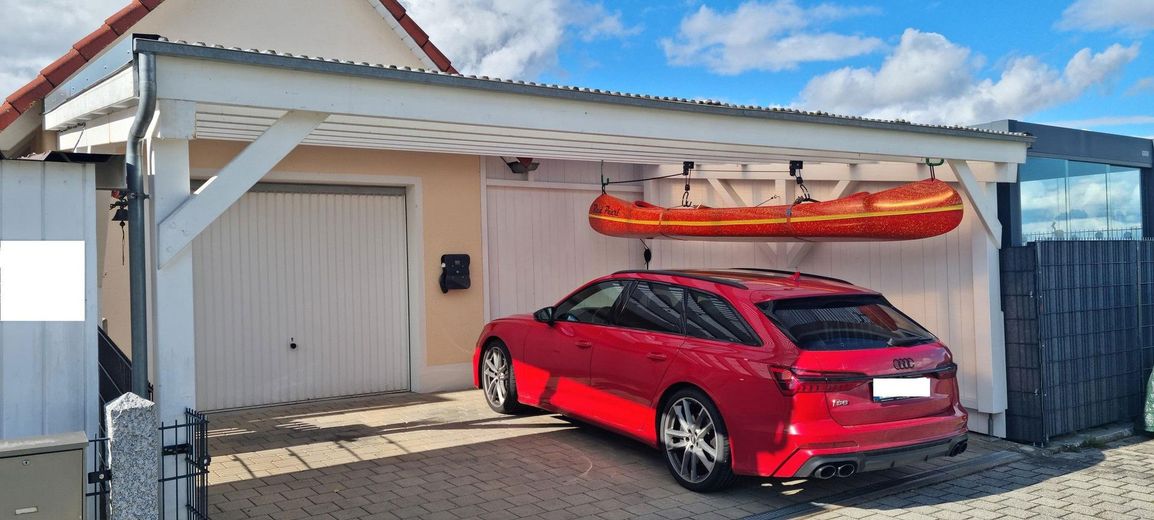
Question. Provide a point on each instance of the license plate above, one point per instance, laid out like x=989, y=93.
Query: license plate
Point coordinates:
x=895, y=388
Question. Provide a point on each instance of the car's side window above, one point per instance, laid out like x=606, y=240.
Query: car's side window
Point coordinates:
x=653, y=306
x=707, y=316
x=593, y=305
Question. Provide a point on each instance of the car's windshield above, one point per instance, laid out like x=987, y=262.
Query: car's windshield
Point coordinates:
x=844, y=323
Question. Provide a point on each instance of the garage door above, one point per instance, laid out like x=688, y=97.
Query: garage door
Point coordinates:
x=301, y=293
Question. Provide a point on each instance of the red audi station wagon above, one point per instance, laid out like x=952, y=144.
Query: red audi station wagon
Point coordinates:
x=734, y=372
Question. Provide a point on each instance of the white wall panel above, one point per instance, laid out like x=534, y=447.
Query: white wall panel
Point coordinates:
x=328, y=271
x=48, y=369
x=541, y=246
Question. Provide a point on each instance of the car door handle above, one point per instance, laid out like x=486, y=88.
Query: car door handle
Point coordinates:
x=584, y=344
x=657, y=356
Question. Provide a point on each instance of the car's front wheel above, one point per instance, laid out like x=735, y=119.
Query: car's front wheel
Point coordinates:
x=695, y=442
x=497, y=379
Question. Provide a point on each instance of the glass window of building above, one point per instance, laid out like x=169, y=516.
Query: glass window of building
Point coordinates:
x=1073, y=200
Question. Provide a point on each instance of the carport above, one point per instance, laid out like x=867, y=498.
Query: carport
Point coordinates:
x=251, y=110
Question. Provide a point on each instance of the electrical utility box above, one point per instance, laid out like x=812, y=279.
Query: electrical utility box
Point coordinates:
x=42, y=477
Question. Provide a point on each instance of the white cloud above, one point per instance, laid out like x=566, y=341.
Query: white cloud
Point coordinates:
x=38, y=32
x=773, y=36
x=929, y=79
x=1141, y=86
x=512, y=38
x=1129, y=16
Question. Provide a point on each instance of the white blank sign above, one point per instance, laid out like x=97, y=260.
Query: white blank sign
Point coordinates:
x=41, y=280
x=903, y=387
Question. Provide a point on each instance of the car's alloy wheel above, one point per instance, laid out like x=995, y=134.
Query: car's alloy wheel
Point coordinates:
x=497, y=379
x=695, y=442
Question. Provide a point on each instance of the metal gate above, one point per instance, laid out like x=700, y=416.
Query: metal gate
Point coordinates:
x=184, y=462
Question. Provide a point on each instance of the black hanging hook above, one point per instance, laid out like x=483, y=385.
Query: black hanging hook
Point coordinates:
x=795, y=168
x=686, y=166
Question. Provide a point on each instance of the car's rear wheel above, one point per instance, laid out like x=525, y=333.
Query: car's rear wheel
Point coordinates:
x=497, y=379
x=695, y=442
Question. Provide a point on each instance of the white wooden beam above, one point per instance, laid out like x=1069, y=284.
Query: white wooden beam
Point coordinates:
x=119, y=90
x=732, y=198
x=983, y=202
x=179, y=229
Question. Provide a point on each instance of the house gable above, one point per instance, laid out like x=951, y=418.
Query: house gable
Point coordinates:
x=373, y=31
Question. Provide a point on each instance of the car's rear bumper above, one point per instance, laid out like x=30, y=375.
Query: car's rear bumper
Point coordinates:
x=875, y=460
x=760, y=452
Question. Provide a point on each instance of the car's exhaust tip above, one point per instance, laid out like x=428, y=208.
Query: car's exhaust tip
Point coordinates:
x=825, y=471
x=846, y=470
x=959, y=449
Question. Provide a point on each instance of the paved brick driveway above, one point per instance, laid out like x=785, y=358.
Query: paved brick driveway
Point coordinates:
x=1113, y=483
x=449, y=456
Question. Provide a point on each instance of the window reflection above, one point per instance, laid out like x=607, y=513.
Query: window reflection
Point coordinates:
x=1073, y=200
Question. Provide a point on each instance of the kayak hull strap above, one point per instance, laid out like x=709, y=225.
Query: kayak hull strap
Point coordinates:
x=915, y=210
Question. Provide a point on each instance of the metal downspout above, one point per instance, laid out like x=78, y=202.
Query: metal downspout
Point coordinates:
x=137, y=266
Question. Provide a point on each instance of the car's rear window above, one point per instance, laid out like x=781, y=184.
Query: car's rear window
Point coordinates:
x=844, y=323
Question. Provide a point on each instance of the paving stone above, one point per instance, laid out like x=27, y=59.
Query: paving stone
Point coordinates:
x=448, y=456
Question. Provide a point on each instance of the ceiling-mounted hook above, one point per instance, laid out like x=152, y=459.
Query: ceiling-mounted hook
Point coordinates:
x=931, y=164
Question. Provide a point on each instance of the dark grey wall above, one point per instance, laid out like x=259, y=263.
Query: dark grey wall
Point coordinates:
x=1081, y=145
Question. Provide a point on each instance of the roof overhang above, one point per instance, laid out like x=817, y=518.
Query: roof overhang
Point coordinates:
x=238, y=95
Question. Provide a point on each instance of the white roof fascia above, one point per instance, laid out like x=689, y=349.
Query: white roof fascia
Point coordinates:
x=103, y=98
x=477, y=116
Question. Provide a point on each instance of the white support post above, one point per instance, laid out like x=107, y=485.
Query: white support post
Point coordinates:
x=174, y=330
x=175, y=359
x=984, y=204
x=989, y=330
x=196, y=212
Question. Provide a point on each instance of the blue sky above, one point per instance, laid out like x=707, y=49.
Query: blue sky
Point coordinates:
x=1082, y=64
x=1076, y=63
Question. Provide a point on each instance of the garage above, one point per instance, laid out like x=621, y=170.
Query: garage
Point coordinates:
x=301, y=293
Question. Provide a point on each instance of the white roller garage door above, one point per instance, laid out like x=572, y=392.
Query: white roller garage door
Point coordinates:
x=321, y=267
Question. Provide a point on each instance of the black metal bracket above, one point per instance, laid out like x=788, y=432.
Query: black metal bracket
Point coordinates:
x=96, y=477
x=176, y=449
x=795, y=168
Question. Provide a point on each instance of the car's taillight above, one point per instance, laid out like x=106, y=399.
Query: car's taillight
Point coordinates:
x=796, y=381
x=946, y=371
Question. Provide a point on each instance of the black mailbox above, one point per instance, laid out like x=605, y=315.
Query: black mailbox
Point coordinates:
x=454, y=272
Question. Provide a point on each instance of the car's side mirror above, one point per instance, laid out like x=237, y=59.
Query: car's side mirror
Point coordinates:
x=544, y=315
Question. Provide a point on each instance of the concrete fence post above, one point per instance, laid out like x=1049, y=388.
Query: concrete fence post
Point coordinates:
x=133, y=457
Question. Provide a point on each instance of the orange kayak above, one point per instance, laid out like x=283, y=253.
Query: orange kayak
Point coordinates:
x=911, y=211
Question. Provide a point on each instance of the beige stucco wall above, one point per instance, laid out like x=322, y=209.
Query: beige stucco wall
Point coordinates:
x=345, y=29
x=450, y=211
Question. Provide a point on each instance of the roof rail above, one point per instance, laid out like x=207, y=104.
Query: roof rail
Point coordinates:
x=791, y=273
x=723, y=281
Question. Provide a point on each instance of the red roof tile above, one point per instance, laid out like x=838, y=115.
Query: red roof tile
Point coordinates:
x=438, y=58
x=414, y=30
x=92, y=44
x=29, y=94
x=8, y=114
x=124, y=19
x=64, y=67
x=122, y=22
x=394, y=7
